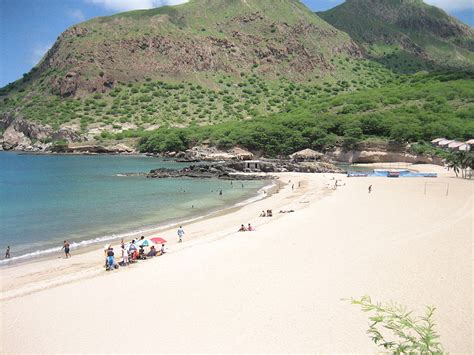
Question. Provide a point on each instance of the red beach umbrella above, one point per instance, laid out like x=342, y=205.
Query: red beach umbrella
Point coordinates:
x=158, y=240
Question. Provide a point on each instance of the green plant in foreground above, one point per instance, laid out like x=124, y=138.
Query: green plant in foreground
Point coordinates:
x=394, y=329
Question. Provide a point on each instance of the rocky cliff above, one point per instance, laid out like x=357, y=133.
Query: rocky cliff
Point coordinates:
x=380, y=153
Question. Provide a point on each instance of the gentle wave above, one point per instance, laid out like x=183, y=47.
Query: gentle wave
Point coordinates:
x=261, y=193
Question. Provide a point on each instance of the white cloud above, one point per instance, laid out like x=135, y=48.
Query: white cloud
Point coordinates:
x=39, y=50
x=452, y=5
x=127, y=5
x=76, y=14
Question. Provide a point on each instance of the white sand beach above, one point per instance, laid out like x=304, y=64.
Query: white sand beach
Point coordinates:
x=277, y=289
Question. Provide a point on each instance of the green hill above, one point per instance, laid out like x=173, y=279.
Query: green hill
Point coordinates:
x=201, y=62
x=413, y=109
x=234, y=63
x=405, y=35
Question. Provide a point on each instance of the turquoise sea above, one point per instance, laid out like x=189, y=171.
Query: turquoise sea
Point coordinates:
x=45, y=199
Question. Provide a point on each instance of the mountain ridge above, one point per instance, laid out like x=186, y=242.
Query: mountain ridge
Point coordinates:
x=407, y=31
x=206, y=63
x=180, y=41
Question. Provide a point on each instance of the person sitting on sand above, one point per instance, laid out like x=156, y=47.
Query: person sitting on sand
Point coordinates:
x=111, y=258
x=133, y=256
x=152, y=252
x=141, y=253
x=162, y=250
x=242, y=228
x=263, y=214
x=132, y=251
x=250, y=228
x=269, y=213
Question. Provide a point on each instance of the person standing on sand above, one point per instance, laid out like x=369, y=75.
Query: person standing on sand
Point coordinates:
x=180, y=234
x=124, y=255
x=370, y=189
x=7, y=253
x=66, y=249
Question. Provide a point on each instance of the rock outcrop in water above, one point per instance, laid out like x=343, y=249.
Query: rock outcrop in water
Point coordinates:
x=234, y=170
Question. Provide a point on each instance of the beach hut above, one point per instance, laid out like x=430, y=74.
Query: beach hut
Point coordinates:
x=464, y=147
x=306, y=155
x=444, y=143
x=253, y=165
x=454, y=145
x=437, y=140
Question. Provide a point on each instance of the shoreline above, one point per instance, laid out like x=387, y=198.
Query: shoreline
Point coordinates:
x=91, y=257
x=277, y=289
x=94, y=244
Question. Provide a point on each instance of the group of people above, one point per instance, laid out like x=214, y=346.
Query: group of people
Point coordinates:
x=269, y=213
x=135, y=251
x=131, y=253
x=249, y=228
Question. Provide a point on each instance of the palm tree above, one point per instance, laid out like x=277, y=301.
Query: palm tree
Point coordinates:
x=453, y=163
x=461, y=162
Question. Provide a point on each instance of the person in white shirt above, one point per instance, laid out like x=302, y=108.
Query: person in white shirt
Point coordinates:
x=180, y=234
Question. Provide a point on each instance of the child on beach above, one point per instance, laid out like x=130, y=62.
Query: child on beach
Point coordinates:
x=250, y=228
x=242, y=228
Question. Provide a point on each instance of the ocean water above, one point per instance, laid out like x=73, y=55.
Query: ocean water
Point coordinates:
x=45, y=199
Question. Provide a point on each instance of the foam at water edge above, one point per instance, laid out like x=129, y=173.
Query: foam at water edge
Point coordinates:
x=84, y=243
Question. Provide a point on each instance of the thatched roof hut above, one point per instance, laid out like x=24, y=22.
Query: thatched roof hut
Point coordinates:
x=307, y=155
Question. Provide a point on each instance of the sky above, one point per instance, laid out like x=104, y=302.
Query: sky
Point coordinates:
x=28, y=28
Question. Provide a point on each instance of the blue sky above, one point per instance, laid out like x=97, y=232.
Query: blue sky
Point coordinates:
x=29, y=27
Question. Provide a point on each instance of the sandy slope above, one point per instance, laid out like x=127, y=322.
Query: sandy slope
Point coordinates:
x=276, y=289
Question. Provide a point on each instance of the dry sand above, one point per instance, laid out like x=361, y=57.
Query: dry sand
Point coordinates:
x=277, y=289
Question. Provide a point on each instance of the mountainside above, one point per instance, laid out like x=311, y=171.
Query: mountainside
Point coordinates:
x=411, y=109
x=207, y=63
x=187, y=41
x=201, y=62
x=405, y=35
